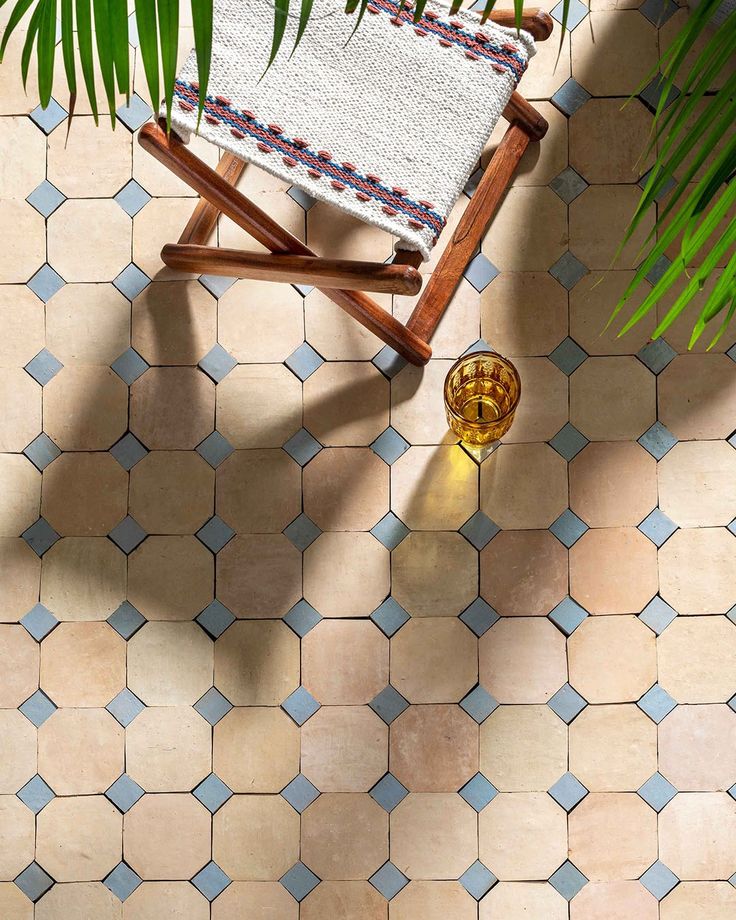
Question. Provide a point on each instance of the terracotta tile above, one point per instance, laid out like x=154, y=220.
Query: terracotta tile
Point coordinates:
x=258, y=901
x=84, y=578
x=612, y=659
x=613, y=484
x=613, y=570
x=172, y=492
x=544, y=408
x=708, y=900
x=433, y=835
x=598, y=221
x=697, y=748
x=434, y=488
x=697, y=396
x=174, y=322
x=334, y=334
x=79, y=899
x=259, y=575
x=522, y=660
x=354, y=900
x=256, y=749
x=344, y=836
x=607, y=140
x=88, y=163
x=524, y=313
x=613, y=836
x=509, y=831
x=21, y=496
x=83, y=664
x=696, y=571
x=344, y=749
x=261, y=321
x=21, y=421
x=172, y=408
x=636, y=38
x=697, y=483
x=84, y=494
x=523, y=573
x=434, y=660
x=21, y=325
x=346, y=574
x=21, y=174
x=259, y=405
x=79, y=839
x=157, y=180
x=433, y=748
x=167, y=836
x=19, y=736
x=460, y=324
x=336, y=235
x=89, y=240
x=17, y=829
x=257, y=663
x=19, y=678
x=168, y=749
x=416, y=395
x=170, y=578
x=616, y=900
x=160, y=222
x=523, y=748
x=612, y=399
x=696, y=658
x=173, y=900
x=598, y=731
x=346, y=403
x=20, y=574
x=516, y=242
x=170, y=664
x=592, y=302
x=258, y=491
x=66, y=734
x=345, y=662
x=346, y=488
x=697, y=835
x=519, y=900
x=432, y=901
x=540, y=163
x=524, y=486
x=22, y=230
x=434, y=573
x=255, y=837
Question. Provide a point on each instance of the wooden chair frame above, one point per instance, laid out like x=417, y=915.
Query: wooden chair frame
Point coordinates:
x=344, y=281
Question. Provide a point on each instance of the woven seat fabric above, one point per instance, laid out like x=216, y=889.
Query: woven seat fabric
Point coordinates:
x=387, y=126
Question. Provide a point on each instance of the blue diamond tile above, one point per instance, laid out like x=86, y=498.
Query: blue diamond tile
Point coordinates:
x=568, y=185
x=213, y=706
x=656, y=703
x=570, y=97
x=301, y=197
x=122, y=881
x=42, y=451
x=577, y=11
x=663, y=192
x=657, y=615
x=212, y=793
x=129, y=366
x=731, y=528
x=388, y=704
x=211, y=881
x=390, y=531
x=300, y=793
x=658, y=11
x=567, y=703
x=657, y=527
x=304, y=361
x=302, y=617
x=390, y=445
x=657, y=440
x=568, y=270
x=133, y=38
x=388, y=880
x=389, y=362
x=40, y=536
x=215, y=533
x=479, y=704
x=46, y=198
x=568, y=528
x=659, y=880
x=303, y=289
x=215, y=619
x=478, y=792
x=732, y=792
x=568, y=442
x=124, y=793
x=656, y=272
x=135, y=113
x=49, y=118
x=302, y=447
x=132, y=197
x=732, y=702
x=34, y=881
x=217, y=285
x=657, y=791
x=128, y=451
x=479, y=530
x=732, y=353
x=36, y=794
x=43, y=367
x=477, y=346
x=131, y=281
x=477, y=880
x=652, y=92
x=479, y=616
x=568, y=615
x=125, y=707
x=217, y=363
x=38, y=622
x=568, y=356
x=302, y=532
x=480, y=272
x=127, y=534
x=299, y=881
x=568, y=791
x=389, y=617
x=568, y=880
x=300, y=705
x=656, y=355
x=388, y=792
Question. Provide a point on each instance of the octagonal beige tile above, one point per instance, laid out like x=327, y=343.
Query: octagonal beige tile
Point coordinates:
x=636, y=39
x=82, y=664
x=256, y=749
x=529, y=230
x=68, y=733
x=17, y=829
x=346, y=488
x=22, y=495
x=255, y=837
x=697, y=748
x=416, y=394
x=460, y=323
x=697, y=571
x=269, y=899
x=706, y=900
x=19, y=737
x=21, y=421
x=612, y=399
x=697, y=483
x=433, y=835
x=87, y=324
x=592, y=303
x=84, y=494
x=697, y=396
x=509, y=831
x=20, y=575
x=696, y=657
x=612, y=659
x=523, y=573
x=172, y=408
x=613, y=836
x=160, y=222
x=524, y=313
x=434, y=660
x=434, y=488
x=261, y=321
x=434, y=573
x=174, y=322
x=257, y=663
x=523, y=486
x=259, y=405
x=19, y=678
x=170, y=664
x=613, y=484
x=344, y=748
x=345, y=662
x=171, y=578
x=79, y=839
x=346, y=404
x=334, y=334
x=258, y=491
x=21, y=325
x=168, y=749
x=522, y=660
x=697, y=835
x=599, y=218
x=83, y=578
x=174, y=900
x=433, y=748
x=336, y=235
x=21, y=173
x=167, y=836
x=346, y=574
x=617, y=900
x=625, y=729
x=22, y=229
x=613, y=570
x=523, y=748
x=259, y=575
x=433, y=901
x=537, y=166
x=344, y=836
x=607, y=140
x=87, y=162
x=544, y=408
x=79, y=899
x=89, y=239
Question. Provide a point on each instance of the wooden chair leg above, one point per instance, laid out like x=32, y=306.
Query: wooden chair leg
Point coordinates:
x=204, y=218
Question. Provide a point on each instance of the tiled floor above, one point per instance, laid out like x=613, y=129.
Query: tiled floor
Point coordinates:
x=274, y=646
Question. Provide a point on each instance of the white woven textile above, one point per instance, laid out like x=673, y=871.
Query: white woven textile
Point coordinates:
x=387, y=127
